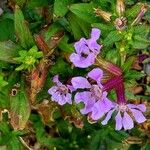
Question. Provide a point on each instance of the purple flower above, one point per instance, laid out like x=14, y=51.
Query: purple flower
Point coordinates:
x=93, y=93
x=60, y=92
x=86, y=50
x=126, y=114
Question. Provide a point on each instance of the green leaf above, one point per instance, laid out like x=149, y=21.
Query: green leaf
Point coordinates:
x=140, y=42
x=147, y=15
x=64, y=46
x=105, y=28
x=14, y=144
x=127, y=65
x=37, y=3
x=54, y=28
x=79, y=27
x=133, y=11
x=61, y=67
x=6, y=29
x=4, y=128
x=87, y=14
x=19, y=109
x=142, y=30
x=61, y=7
x=22, y=30
x=112, y=37
x=132, y=74
x=8, y=50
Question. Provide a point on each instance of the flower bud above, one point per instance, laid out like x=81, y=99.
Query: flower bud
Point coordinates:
x=140, y=15
x=105, y=15
x=120, y=7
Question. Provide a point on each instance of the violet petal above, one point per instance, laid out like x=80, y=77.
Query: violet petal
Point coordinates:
x=141, y=107
x=108, y=116
x=95, y=33
x=52, y=90
x=81, y=46
x=127, y=121
x=118, y=119
x=139, y=117
x=82, y=62
x=56, y=80
x=80, y=83
x=96, y=74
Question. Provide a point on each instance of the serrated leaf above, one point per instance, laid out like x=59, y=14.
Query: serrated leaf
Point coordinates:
x=140, y=42
x=133, y=11
x=8, y=50
x=19, y=109
x=87, y=14
x=22, y=30
x=127, y=65
x=141, y=30
x=112, y=37
x=132, y=74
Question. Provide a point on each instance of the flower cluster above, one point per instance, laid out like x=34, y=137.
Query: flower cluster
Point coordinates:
x=93, y=93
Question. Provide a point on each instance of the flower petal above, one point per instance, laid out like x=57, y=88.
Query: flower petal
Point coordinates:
x=81, y=46
x=80, y=83
x=56, y=80
x=107, y=104
x=139, y=117
x=82, y=62
x=96, y=74
x=97, y=113
x=56, y=97
x=118, y=119
x=108, y=116
x=127, y=121
x=94, y=46
x=82, y=97
x=68, y=98
x=95, y=33
x=141, y=107
x=85, y=97
x=52, y=90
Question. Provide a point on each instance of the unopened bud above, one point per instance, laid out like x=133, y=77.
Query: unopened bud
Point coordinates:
x=105, y=15
x=120, y=7
x=140, y=15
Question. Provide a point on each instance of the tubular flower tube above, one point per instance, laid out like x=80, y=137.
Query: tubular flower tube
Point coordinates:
x=86, y=50
x=93, y=94
x=60, y=92
x=113, y=69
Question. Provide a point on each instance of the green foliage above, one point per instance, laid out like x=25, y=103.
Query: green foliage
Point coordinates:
x=25, y=72
x=22, y=30
x=28, y=59
x=8, y=50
